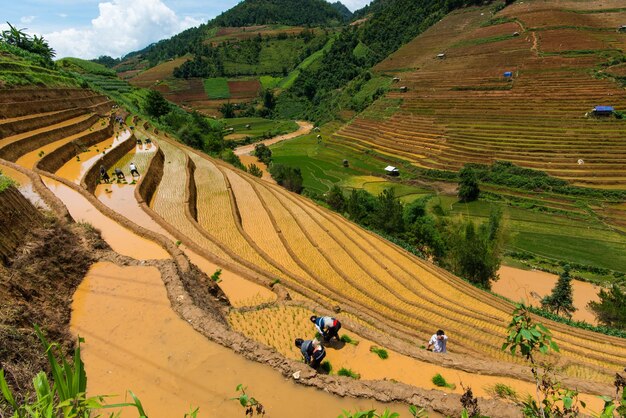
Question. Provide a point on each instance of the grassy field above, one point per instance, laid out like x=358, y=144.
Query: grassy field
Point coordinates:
x=293, y=75
x=217, y=88
x=259, y=126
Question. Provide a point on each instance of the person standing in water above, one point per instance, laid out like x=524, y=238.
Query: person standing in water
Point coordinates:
x=133, y=170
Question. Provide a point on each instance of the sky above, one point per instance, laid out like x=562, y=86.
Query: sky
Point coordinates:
x=90, y=28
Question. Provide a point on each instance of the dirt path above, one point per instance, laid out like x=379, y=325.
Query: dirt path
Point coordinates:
x=305, y=128
x=530, y=286
x=167, y=363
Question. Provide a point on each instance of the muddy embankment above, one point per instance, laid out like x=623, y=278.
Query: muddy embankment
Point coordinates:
x=15, y=150
x=57, y=158
x=17, y=109
x=192, y=191
x=19, y=216
x=31, y=124
x=92, y=176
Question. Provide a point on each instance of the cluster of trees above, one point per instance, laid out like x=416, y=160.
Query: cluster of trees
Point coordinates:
x=288, y=177
x=471, y=251
x=286, y=12
x=611, y=309
x=34, y=44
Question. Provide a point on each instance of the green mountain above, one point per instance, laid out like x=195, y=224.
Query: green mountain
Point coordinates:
x=286, y=12
x=343, y=10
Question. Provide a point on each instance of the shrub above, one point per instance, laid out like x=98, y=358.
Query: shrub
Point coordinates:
x=326, y=367
x=349, y=373
x=502, y=391
x=255, y=170
x=216, y=276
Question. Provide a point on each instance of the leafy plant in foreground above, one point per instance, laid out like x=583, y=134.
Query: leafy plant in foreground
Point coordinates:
x=439, y=380
x=348, y=340
x=251, y=405
x=349, y=373
x=380, y=352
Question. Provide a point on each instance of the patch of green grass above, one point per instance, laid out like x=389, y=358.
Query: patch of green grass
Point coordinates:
x=216, y=88
x=269, y=82
x=259, y=127
x=440, y=381
x=85, y=67
x=326, y=367
x=497, y=21
x=288, y=81
x=5, y=182
x=380, y=352
x=348, y=340
x=349, y=373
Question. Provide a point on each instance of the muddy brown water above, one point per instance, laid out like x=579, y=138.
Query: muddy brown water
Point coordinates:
x=531, y=285
x=121, y=239
x=135, y=341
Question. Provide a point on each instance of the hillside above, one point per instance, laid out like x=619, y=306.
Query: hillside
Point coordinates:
x=286, y=12
x=461, y=108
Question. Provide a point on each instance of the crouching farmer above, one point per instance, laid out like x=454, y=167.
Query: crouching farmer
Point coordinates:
x=328, y=327
x=312, y=351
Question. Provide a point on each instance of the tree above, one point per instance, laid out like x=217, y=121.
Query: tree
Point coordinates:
x=263, y=153
x=269, y=101
x=255, y=170
x=468, y=185
x=360, y=205
x=155, y=104
x=227, y=110
x=335, y=199
x=387, y=216
x=288, y=177
x=611, y=310
x=561, y=299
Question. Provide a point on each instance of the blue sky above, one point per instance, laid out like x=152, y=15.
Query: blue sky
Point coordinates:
x=89, y=28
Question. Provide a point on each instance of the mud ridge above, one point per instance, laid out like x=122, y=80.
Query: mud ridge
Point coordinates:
x=31, y=124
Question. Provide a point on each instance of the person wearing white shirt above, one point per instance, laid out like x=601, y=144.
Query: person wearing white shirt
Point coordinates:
x=438, y=342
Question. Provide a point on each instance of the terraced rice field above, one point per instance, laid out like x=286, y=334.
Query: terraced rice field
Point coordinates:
x=274, y=236
x=461, y=109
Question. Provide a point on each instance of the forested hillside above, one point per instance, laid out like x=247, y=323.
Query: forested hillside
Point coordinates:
x=286, y=12
x=357, y=49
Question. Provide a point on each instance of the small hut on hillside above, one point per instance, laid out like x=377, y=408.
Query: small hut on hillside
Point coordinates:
x=622, y=29
x=441, y=56
x=603, y=111
x=508, y=74
x=392, y=171
x=404, y=89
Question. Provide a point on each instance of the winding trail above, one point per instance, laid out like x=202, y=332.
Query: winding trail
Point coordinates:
x=305, y=128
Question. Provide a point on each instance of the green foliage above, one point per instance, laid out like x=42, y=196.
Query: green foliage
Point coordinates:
x=34, y=44
x=348, y=373
x=287, y=12
x=611, y=309
x=263, y=153
x=475, y=253
x=249, y=403
x=335, y=199
x=527, y=336
x=227, y=110
x=369, y=414
x=5, y=182
x=231, y=158
x=326, y=367
x=156, y=105
x=388, y=211
x=255, y=170
x=561, y=300
x=468, y=185
x=85, y=67
x=502, y=391
x=380, y=352
x=288, y=177
x=440, y=381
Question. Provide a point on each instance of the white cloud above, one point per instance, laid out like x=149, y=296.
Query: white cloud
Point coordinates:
x=121, y=27
x=27, y=19
x=353, y=4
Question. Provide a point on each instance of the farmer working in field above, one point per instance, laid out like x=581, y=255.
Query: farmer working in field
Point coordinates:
x=133, y=170
x=437, y=343
x=312, y=351
x=327, y=326
x=104, y=175
x=120, y=174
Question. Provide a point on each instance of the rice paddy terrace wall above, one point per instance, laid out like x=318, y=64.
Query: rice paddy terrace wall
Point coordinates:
x=19, y=216
x=92, y=177
x=461, y=108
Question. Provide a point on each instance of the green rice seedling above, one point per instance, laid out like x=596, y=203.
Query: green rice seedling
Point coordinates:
x=41, y=154
x=178, y=242
x=381, y=352
x=348, y=340
x=438, y=380
x=326, y=367
x=349, y=373
x=503, y=391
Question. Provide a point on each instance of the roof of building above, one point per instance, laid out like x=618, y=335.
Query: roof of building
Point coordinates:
x=390, y=168
x=603, y=109
x=508, y=73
